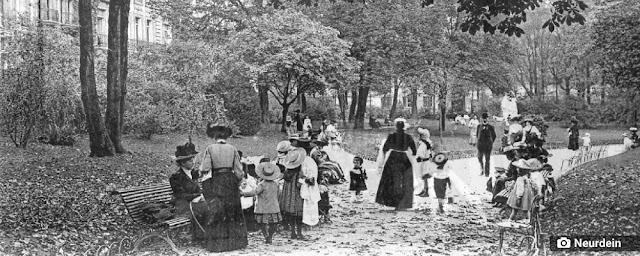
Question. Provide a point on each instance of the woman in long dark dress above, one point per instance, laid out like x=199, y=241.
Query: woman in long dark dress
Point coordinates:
x=574, y=135
x=396, y=182
x=224, y=224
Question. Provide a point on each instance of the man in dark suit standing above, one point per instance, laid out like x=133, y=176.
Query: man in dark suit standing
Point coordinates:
x=486, y=135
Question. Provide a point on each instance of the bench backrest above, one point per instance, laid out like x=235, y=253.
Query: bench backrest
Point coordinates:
x=135, y=197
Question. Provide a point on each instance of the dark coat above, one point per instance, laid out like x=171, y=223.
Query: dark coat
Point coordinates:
x=486, y=135
x=184, y=190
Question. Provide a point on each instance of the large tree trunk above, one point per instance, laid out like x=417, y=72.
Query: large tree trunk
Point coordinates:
x=99, y=142
x=285, y=112
x=588, y=83
x=442, y=103
x=567, y=86
x=363, y=93
x=342, y=101
x=394, y=101
x=414, y=102
x=303, y=103
x=354, y=103
x=557, y=81
x=117, y=61
x=264, y=104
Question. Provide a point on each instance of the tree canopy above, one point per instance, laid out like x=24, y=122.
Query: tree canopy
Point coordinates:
x=289, y=54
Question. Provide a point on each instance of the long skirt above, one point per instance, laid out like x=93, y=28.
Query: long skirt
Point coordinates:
x=525, y=202
x=291, y=203
x=573, y=143
x=225, y=225
x=396, y=182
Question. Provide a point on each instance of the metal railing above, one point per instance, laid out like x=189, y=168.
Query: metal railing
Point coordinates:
x=101, y=40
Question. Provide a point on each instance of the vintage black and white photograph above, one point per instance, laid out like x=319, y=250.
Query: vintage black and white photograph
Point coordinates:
x=319, y=127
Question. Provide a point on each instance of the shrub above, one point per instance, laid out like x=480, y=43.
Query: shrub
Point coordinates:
x=242, y=106
x=322, y=108
x=493, y=106
x=377, y=112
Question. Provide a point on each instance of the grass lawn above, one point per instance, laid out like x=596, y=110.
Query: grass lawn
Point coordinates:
x=456, y=138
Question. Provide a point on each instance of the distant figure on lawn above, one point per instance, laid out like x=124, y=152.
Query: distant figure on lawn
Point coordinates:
x=473, y=129
x=396, y=181
x=373, y=123
x=627, y=142
x=574, y=135
x=486, y=135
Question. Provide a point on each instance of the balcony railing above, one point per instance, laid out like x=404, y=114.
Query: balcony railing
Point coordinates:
x=101, y=41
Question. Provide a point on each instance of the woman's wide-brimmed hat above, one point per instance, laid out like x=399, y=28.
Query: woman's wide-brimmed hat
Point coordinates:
x=531, y=164
x=295, y=158
x=218, y=130
x=440, y=159
x=268, y=171
x=283, y=146
x=528, y=119
x=404, y=121
x=186, y=151
x=633, y=129
x=424, y=131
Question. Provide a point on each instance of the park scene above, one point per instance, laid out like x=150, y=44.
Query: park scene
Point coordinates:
x=314, y=127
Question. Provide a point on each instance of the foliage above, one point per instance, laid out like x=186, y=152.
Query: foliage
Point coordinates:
x=289, y=53
x=512, y=13
x=492, y=107
x=213, y=20
x=563, y=111
x=615, y=36
x=166, y=90
x=41, y=86
x=240, y=103
x=377, y=112
x=322, y=108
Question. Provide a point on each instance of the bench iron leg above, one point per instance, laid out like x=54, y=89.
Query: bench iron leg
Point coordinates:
x=158, y=235
x=499, y=250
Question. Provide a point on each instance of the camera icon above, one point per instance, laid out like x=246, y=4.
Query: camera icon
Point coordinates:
x=563, y=243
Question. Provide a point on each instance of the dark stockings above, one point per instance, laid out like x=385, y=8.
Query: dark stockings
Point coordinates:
x=296, y=225
x=268, y=230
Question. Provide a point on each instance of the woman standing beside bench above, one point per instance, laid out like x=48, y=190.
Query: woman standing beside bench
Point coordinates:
x=224, y=224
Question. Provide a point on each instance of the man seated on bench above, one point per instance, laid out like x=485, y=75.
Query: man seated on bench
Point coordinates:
x=187, y=196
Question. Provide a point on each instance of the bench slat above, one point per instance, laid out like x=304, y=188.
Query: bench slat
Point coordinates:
x=159, y=189
x=164, y=186
x=133, y=189
x=146, y=196
x=134, y=197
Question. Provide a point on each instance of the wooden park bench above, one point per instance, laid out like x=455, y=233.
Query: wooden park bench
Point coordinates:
x=135, y=197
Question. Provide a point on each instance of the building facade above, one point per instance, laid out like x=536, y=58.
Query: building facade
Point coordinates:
x=144, y=28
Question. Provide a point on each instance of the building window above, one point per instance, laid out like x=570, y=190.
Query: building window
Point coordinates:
x=149, y=35
x=137, y=28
